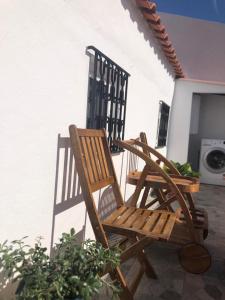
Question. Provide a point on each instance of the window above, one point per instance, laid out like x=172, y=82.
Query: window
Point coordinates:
x=163, y=119
x=107, y=96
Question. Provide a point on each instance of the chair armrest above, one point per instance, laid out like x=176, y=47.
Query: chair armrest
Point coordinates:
x=160, y=157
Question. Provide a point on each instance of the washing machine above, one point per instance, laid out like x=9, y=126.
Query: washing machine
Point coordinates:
x=212, y=162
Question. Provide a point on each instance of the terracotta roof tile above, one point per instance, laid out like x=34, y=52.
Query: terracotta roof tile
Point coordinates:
x=151, y=17
x=148, y=10
x=146, y=5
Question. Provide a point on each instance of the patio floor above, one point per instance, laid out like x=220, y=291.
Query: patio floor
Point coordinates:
x=173, y=282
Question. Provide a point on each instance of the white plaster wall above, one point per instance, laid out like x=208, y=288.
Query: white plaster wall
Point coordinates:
x=44, y=80
x=180, y=117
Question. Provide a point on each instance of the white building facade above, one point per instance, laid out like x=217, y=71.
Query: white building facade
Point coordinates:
x=44, y=87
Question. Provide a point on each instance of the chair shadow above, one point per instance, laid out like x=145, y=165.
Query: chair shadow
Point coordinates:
x=107, y=203
x=67, y=192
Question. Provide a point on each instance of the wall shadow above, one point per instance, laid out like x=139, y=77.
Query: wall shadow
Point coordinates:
x=67, y=192
x=142, y=26
x=107, y=202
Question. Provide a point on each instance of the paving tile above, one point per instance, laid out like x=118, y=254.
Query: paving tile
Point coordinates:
x=170, y=295
x=213, y=291
x=202, y=295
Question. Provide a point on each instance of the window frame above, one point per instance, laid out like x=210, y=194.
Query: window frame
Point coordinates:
x=163, y=124
x=107, y=96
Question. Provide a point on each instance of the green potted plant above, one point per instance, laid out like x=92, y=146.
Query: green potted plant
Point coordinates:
x=184, y=169
x=74, y=271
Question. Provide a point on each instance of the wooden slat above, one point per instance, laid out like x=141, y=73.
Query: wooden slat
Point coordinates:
x=157, y=181
x=91, y=159
x=70, y=175
x=103, y=157
x=139, y=223
x=115, y=214
x=169, y=225
x=65, y=165
x=160, y=224
x=101, y=184
x=87, y=160
x=123, y=218
x=133, y=218
x=150, y=224
x=100, y=158
x=90, y=132
x=96, y=158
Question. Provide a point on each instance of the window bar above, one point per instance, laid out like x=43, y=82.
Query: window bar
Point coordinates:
x=125, y=104
x=93, y=96
x=115, y=130
x=101, y=93
x=108, y=94
x=121, y=99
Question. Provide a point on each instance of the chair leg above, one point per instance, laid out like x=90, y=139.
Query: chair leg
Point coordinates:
x=145, y=197
x=144, y=261
x=126, y=294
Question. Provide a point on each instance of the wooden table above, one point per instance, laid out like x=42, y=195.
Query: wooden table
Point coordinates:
x=154, y=180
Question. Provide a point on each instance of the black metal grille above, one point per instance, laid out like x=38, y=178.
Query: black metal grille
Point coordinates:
x=164, y=111
x=107, y=96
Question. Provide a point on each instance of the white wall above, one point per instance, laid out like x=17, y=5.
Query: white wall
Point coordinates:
x=44, y=80
x=180, y=117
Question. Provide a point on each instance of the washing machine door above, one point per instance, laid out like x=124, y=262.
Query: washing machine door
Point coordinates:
x=214, y=160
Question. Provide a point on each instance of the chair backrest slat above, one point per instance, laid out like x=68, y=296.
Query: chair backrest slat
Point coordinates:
x=100, y=158
x=96, y=159
x=94, y=156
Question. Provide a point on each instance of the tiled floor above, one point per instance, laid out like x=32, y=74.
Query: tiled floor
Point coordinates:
x=173, y=282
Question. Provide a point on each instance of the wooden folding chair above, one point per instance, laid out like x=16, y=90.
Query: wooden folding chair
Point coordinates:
x=157, y=185
x=140, y=226
x=188, y=218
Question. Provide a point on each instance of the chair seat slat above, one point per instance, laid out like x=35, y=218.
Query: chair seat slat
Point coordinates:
x=160, y=224
x=142, y=220
x=115, y=214
x=151, y=221
x=125, y=216
x=136, y=214
x=167, y=228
